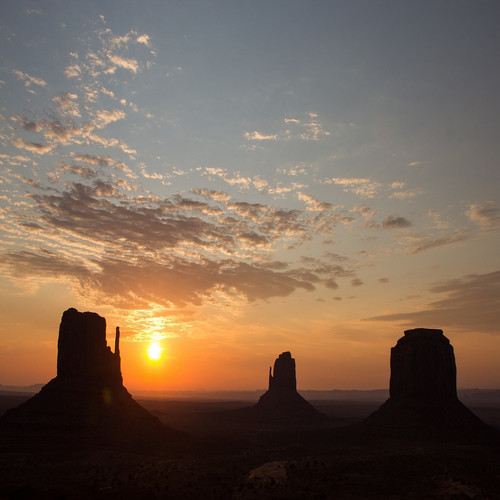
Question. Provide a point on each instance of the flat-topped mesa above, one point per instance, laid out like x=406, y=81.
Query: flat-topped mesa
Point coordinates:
x=83, y=351
x=423, y=367
x=284, y=377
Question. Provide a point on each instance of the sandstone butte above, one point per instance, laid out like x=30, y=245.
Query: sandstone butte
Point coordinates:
x=423, y=398
x=87, y=400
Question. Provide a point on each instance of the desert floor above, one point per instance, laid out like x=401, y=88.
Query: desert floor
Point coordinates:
x=224, y=456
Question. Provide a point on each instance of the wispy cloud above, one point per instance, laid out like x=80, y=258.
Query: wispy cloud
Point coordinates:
x=362, y=187
x=414, y=244
x=257, y=136
x=28, y=79
x=310, y=129
x=34, y=147
x=122, y=62
x=470, y=304
x=486, y=214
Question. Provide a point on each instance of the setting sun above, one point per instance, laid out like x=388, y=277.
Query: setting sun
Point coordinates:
x=154, y=351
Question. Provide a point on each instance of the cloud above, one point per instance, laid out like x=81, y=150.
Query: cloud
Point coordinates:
x=122, y=62
x=394, y=222
x=28, y=79
x=310, y=129
x=131, y=285
x=364, y=188
x=313, y=204
x=34, y=147
x=72, y=70
x=84, y=172
x=485, y=214
x=104, y=117
x=437, y=219
x=14, y=160
x=331, y=284
x=417, y=244
x=111, y=54
x=44, y=264
x=144, y=39
x=405, y=195
x=313, y=129
x=165, y=251
x=102, y=161
x=67, y=105
x=212, y=195
x=134, y=251
x=63, y=129
x=236, y=179
x=470, y=304
x=257, y=136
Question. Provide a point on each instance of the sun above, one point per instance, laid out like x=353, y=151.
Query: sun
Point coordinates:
x=154, y=351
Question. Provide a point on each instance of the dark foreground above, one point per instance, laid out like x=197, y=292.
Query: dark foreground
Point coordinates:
x=228, y=457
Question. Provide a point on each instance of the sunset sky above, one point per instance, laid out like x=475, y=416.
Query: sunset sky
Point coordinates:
x=237, y=179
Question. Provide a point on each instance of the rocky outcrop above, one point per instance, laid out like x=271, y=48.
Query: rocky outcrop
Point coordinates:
x=282, y=401
x=87, y=397
x=423, y=398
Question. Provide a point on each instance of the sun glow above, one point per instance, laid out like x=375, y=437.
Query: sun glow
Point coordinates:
x=154, y=351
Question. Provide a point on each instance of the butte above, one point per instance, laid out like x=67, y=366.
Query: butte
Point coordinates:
x=281, y=402
x=86, y=404
x=423, y=400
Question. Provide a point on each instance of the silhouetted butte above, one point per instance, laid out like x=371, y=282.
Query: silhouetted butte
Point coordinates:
x=423, y=398
x=282, y=401
x=87, y=397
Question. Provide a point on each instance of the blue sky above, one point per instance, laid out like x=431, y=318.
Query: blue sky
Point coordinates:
x=226, y=176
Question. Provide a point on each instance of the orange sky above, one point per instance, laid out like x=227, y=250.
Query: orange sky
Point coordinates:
x=239, y=182
x=229, y=354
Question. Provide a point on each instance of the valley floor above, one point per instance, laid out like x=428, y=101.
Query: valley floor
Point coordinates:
x=234, y=459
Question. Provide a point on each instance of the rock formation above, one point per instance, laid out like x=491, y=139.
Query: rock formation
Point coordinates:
x=423, y=398
x=87, y=397
x=82, y=351
x=284, y=377
x=282, y=401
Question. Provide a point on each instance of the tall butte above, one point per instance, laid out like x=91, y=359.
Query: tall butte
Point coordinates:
x=423, y=398
x=282, y=401
x=87, y=397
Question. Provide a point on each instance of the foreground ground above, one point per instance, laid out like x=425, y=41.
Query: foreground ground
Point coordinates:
x=226, y=457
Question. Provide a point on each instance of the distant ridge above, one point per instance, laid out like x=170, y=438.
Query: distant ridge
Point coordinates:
x=34, y=388
x=470, y=396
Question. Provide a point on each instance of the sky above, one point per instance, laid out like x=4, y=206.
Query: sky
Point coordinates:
x=232, y=180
